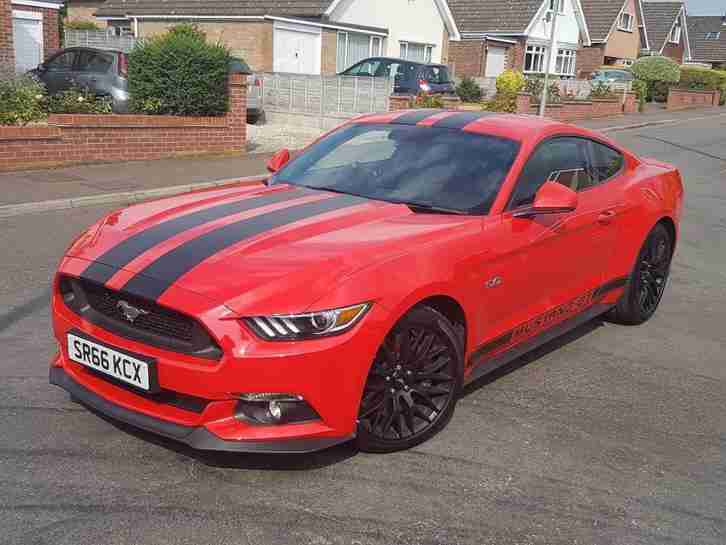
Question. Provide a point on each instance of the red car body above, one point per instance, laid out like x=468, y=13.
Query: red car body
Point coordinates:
x=516, y=281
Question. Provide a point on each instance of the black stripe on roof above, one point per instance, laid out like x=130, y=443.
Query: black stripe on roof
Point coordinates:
x=459, y=120
x=412, y=118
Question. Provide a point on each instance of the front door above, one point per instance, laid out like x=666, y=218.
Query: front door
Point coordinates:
x=546, y=267
x=495, y=61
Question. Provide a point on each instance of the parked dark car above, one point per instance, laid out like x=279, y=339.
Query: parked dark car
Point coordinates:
x=408, y=76
x=104, y=72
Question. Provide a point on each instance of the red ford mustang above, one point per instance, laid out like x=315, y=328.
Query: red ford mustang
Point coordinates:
x=354, y=291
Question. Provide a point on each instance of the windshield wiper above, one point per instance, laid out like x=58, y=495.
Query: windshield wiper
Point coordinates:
x=432, y=209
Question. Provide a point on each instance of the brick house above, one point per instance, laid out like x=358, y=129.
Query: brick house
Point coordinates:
x=300, y=36
x=707, y=35
x=28, y=32
x=665, y=31
x=501, y=34
x=615, y=34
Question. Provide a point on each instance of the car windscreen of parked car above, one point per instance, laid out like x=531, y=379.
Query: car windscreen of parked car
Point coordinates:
x=450, y=170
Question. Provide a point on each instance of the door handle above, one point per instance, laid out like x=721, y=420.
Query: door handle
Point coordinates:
x=606, y=217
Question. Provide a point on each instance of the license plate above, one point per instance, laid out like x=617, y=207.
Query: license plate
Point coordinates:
x=114, y=363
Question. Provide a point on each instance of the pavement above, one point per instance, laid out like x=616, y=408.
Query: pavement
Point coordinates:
x=611, y=435
x=121, y=183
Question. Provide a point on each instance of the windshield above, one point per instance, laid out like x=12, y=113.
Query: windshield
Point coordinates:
x=425, y=166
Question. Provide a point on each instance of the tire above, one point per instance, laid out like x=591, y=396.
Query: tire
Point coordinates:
x=413, y=384
x=648, y=280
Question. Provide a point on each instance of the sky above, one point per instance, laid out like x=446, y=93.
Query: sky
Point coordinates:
x=706, y=7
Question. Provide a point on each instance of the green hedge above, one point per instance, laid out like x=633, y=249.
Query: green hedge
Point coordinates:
x=179, y=73
x=701, y=78
x=21, y=100
x=468, y=90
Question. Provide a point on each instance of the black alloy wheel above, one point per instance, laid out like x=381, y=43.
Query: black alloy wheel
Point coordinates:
x=648, y=280
x=412, y=385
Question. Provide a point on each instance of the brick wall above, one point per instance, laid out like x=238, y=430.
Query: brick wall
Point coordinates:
x=572, y=111
x=252, y=40
x=680, y=99
x=88, y=138
x=515, y=55
x=467, y=57
x=589, y=59
x=7, y=52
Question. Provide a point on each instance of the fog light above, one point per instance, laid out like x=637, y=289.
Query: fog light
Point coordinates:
x=274, y=408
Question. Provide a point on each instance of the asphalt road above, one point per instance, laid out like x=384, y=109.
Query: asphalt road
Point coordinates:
x=612, y=435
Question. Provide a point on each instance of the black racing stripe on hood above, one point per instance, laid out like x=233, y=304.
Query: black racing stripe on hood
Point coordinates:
x=125, y=252
x=155, y=279
x=459, y=120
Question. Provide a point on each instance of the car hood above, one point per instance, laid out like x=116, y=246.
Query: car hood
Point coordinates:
x=257, y=250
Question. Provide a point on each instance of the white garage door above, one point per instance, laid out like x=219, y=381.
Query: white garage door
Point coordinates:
x=496, y=60
x=296, y=49
x=28, y=39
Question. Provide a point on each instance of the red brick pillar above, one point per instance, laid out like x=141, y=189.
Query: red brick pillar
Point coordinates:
x=524, y=102
x=716, y=97
x=400, y=102
x=630, y=104
x=7, y=50
x=237, y=114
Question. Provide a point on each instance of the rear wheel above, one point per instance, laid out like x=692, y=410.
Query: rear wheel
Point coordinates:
x=413, y=383
x=648, y=279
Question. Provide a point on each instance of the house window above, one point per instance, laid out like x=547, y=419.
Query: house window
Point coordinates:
x=675, y=35
x=534, y=58
x=625, y=22
x=416, y=52
x=565, y=65
x=558, y=5
x=713, y=35
x=354, y=47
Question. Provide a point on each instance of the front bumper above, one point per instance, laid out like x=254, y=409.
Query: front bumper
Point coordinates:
x=197, y=437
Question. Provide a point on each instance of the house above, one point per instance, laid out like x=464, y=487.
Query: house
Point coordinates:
x=707, y=35
x=28, y=32
x=665, y=31
x=615, y=34
x=501, y=34
x=301, y=36
x=84, y=10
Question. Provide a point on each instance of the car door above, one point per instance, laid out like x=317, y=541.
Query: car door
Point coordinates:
x=93, y=70
x=58, y=73
x=543, y=262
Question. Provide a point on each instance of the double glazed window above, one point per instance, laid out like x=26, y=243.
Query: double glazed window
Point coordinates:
x=574, y=162
x=625, y=22
x=534, y=58
x=675, y=35
x=565, y=63
x=557, y=5
x=416, y=52
x=354, y=47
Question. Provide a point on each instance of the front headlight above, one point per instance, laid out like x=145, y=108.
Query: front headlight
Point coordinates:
x=293, y=327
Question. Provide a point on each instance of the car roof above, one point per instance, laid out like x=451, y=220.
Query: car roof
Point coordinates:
x=511, y=126
x=397, y=59
x=84, y=48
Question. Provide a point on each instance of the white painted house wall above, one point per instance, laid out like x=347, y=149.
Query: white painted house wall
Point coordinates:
x=415, y=21
x=567, y=32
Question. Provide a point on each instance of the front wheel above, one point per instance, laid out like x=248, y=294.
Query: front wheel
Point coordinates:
x=413, y=384
x=648, y=280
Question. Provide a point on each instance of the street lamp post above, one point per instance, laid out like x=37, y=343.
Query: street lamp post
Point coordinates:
x=553, y=44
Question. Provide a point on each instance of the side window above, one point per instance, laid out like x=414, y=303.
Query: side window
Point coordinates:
x=62, y=62
x=353, y=70
x=562, y=160
x=606, y=162
x=94, y=61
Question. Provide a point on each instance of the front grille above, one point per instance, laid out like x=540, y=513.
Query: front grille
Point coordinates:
x=155, y=325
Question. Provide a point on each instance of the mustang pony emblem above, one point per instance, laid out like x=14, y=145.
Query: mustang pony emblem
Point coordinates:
x=130, y=312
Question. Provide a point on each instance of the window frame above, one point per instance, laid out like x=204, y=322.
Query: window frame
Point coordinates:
x=678, y=30
x=346, y=34
x=508, y=208
x=559, y=4
x=541, y=54
x=626, y=27
x=428, y=51
x=569, y=58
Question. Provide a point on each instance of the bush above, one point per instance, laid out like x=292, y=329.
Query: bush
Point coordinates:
x=501, y=103
x=179, y=73
x=640, y=88
x=424, y=100
x=701, y=78
x=468, y=90
x=21, y=100
x=78, y=101
x=510, y=82
x=79, y=24
x=602, y=90
x=535, y=85
x=659, y=73
x=658, y=91
x=723, y=87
